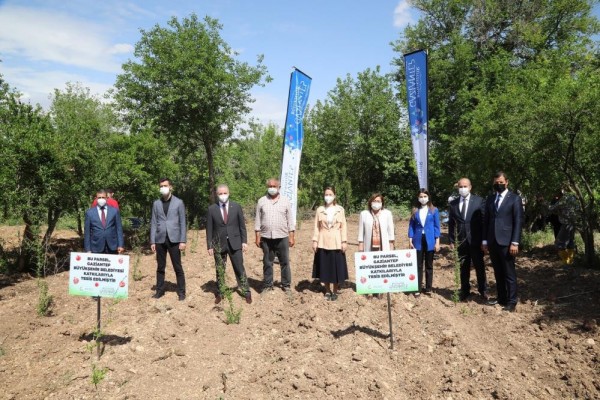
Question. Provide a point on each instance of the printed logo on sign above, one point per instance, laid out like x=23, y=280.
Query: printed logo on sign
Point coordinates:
x=363, y=257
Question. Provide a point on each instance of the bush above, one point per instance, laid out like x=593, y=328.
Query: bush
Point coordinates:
x=530, y=240
x=44, y=299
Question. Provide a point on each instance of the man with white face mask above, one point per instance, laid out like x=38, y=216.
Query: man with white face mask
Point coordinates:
x=465, y=224
x=226, y=236
x=274, y=229
x=168, y=232
x=103, y=231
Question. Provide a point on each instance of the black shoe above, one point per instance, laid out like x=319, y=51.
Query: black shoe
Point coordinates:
x=181, y=296
x=464, y=296
x=492, y=302
x=485, y=296
x=158, y=295
x=510, y=308
x=249, y=298
x=334, y=296
x=218, y=298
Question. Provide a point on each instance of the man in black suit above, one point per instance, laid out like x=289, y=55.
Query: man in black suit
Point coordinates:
x=502, y=222
x=226, y=235
x=464, y=229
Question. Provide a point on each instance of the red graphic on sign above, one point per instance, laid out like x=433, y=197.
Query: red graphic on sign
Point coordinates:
x=122, y=284
x=363, y=257
x=96, y=284
x=76, y=280
x=78, y=257
x=363, y=280
x=411, y=277
x=385, y=281
x=120, y=261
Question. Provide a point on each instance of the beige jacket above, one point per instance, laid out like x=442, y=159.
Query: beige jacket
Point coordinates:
x=330, y=238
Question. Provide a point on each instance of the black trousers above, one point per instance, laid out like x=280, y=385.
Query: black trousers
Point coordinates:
x=281, y=249
x=425, y=257
x=237, y=261
x=161, y=259
x=505, y=273
x=471, y=255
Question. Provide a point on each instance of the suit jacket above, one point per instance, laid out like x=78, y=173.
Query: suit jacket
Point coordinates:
x=330, y=237
x=430, y=227
x=504, y=225
x=172, y=224
x=97, y=237
x=386, y=227
x=217, y=231
x=470, y=227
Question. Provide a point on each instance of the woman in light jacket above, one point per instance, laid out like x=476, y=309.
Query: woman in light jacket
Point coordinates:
x=376, y=226
x=424, y=236
x=329, y=244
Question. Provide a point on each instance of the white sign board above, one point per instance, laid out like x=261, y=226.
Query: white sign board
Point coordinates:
x=99, y=275
x=386, y=271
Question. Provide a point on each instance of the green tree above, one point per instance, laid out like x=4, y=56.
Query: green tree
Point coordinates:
x=506, y=80
x=188, y=86
x=354, y=141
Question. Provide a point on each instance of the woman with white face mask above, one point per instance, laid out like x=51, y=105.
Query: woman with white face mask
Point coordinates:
x=424, y=236
x=330, y=240
x=376, y=227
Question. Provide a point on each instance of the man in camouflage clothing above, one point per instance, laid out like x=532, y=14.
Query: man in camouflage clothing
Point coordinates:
x=569, y=214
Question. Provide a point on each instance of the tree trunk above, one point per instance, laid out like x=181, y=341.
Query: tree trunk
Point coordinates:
x=587, y=234
x=208, y=147
x=25, y=259
x=53, y=216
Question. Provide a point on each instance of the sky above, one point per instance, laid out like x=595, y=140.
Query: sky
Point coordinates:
x=46, y=43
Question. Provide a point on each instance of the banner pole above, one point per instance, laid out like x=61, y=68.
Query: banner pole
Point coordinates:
x=389, y=301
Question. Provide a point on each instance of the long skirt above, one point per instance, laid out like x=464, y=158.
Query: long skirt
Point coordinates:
x=330, y=266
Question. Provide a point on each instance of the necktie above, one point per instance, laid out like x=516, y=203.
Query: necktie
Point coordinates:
x=463, y=212
x=225, y=213
x=498, y=201
x=103, y=216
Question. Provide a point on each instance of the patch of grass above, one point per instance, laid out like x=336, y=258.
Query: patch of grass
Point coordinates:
x=44, y=299
x=98, y=375
x=2, y=352
x=530, y=240
x=67, y=222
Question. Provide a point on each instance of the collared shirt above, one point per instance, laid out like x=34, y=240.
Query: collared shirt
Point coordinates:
x=100, y=212
x=502, y=197
x=274, y=217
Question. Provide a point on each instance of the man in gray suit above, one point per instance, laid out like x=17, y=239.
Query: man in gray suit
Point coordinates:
x=226, y=233
x=168, y=234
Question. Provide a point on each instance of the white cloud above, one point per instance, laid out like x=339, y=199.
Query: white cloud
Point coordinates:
x=402, y=14
x=47, y=35
x=269, y=109
x=36, y=87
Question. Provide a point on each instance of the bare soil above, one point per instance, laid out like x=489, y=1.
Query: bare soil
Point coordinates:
x=300, y=345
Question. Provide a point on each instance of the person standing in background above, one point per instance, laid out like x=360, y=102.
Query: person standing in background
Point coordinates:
x=274, y=231
x=464, y=231
x=424, y=236
x=329, y=243
x=168, y=233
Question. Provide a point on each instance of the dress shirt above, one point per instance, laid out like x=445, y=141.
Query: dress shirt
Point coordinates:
x=274, y=217
x=423, y=215
x=100, y=212
x=223, y=205
x=464, y=202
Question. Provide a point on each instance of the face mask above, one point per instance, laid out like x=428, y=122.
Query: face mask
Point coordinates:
x=328, y=199
x=499, y=187
x=376, y=206
x=272, y=191
x=463, y=191
x=223, y=198
x=423, y=200
x=164, y=190
x=101, y=202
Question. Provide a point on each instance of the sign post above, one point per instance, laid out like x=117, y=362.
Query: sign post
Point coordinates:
x=386, y=272
x=99, y=275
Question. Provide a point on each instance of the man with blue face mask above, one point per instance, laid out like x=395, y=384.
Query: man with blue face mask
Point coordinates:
x=274, y=229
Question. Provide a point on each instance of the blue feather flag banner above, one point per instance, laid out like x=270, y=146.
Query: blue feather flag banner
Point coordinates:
x=293, y=137
x=416, y=90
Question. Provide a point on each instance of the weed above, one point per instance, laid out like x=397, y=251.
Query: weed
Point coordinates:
x=137, y=274
x=98, y=375
x=232, y=314
x=44, y=299
x=194, y=241
x=464, y=310
x=2, y=352
x=530, y=240
x=456, y=268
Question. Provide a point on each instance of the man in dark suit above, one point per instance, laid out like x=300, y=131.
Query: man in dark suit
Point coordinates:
x=464, y=229
x=502, y=224
x=103, y=231
x=168, y=232
x=226, y=235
